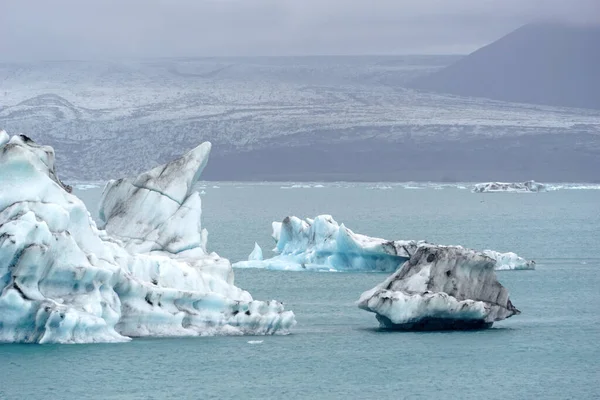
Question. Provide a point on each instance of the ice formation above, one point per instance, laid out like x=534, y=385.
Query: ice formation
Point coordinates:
x=440, y=287
x=322, y=244
x=4, y=138
x=158, y=210
x=257, y=254
x=509, y=261
x=62, y=280
x=525, y=187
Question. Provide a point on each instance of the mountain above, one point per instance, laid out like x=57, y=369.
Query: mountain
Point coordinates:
x=544, y=63
x=290, y=118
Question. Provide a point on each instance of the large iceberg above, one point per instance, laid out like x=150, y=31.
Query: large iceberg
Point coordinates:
x=525, y=187
x=321, y=244
x=62, y=280
x=440, y=287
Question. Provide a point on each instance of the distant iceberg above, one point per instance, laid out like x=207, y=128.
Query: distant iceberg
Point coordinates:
x=62, y=280
x=303, y=186
x=321, y=244
x=525, y=187
x=440, y=287
x=380, y=187
x=574, y=186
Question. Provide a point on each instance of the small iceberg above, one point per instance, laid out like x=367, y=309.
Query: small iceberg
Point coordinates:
x=257, y=254
x=440, y=288
x=573, y=186
x=297, y=186
x=4, y=138
x=509, y=261
x=525, y=187
x=321, y=244
x=380, y=187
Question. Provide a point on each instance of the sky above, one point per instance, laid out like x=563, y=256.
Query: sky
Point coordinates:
x=96, y=29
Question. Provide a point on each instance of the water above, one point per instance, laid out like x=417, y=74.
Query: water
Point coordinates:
x=336, y=350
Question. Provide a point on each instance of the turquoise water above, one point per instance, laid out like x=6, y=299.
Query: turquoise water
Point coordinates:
x=336, y=350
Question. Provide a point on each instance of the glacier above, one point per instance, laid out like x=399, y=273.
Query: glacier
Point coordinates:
x=64, y=280
x=321, y=97
x=321, y=244
x=525, y=187
x=439, y=288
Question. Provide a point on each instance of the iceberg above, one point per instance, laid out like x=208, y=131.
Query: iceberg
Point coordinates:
x=63, y=280
x=4, y=138
x=525, y=187
x=439, y=288
x=257, y=254
x=509, y=261
x=159, y=210
x=321, y=244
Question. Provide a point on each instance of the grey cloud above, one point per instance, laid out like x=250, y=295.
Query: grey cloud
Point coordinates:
x=40, y=29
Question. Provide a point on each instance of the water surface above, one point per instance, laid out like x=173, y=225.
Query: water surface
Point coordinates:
x=336, y=351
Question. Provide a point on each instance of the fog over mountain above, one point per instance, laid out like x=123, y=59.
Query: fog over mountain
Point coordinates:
x=74, y=29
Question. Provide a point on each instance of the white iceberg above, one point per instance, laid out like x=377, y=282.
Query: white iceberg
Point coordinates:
x=86, y=186
x=509, y=261
x=62, y=280
x=440, y=287
x=525, y=187
x=380, y=187
x=257, y=254
x=4, y=138
x=573, y=186
x=158, y=210
x=321, y=244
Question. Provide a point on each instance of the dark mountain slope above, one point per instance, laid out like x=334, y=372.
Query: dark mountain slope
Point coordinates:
x=550, y=64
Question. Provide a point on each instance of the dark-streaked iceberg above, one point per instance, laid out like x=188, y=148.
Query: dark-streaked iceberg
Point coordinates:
x=321, y=244
x=525, y=187
x=438, y=288
x=158, y=210
x=63, y=280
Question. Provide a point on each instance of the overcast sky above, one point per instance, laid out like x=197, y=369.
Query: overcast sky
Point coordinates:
x=84, y=29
